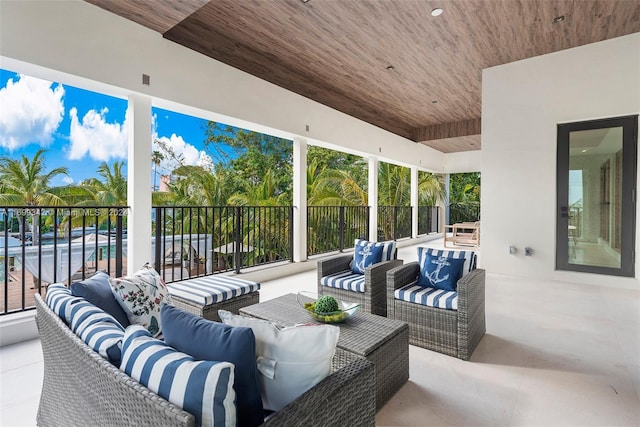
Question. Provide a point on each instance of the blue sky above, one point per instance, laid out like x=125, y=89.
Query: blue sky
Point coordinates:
x=82, y=129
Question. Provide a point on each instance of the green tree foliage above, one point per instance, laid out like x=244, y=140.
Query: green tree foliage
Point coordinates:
x=251, y=155
x=464, y=187
x=111, y=190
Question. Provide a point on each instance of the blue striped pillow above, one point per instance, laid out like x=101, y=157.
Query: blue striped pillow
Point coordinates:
x=388, y=248
x=202, y=388
x=98, y=329
x=58, y=297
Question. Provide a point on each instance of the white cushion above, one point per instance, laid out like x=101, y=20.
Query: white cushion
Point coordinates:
x=141, y=296
x=202, y=388
x=291, y=360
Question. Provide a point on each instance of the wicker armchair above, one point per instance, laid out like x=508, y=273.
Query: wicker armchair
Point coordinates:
x=373, y=299
x=452, y=332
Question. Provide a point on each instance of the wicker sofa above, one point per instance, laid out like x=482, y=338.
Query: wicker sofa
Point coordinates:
x=82, y=388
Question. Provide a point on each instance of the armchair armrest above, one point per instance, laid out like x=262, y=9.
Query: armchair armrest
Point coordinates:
x=397, y=278
x=332, y=265
x=471, y=312
x=375, y=288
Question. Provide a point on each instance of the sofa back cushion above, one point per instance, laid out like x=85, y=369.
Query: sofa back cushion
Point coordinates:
x=202, y=388
x=58, y=297
x=207, y=340
x=290, y=360
x=140, y=296
x=98, y=329
x=97, y=290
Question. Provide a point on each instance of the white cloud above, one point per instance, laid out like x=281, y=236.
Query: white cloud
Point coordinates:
x=30, y=112
x=67, y=180
x=102, y=141
x=189, y=154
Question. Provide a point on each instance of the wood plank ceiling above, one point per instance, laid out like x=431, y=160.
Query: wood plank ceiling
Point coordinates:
x=389, y=63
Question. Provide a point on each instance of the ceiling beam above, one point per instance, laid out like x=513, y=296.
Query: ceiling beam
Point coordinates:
x=448, y=130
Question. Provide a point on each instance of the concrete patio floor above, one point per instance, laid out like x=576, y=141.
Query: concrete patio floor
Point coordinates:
x=555, y=354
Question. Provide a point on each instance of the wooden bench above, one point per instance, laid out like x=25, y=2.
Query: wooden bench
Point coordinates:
x=462, y=234
x=205, y=295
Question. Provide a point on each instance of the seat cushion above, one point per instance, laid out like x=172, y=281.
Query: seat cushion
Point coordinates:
x=431, y=297
x=346, y=280
x=202, y=388
x=290, y=360
x=209, y=290
x=97, y=290
x=207, y=340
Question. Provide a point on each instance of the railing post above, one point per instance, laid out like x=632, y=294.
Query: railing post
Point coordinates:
x=341, y=236
x=237, y=255
x=158, y=249
x=119, y=229
x=291, y=212
x=395, y=223
x=368, y=221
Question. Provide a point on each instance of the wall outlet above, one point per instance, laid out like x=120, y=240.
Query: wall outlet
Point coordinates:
x=528, y=251
x=513, y=250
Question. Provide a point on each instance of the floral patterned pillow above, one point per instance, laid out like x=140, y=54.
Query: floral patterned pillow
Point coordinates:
x=141, y=296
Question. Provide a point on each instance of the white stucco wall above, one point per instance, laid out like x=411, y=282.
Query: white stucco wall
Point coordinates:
x=77, y=43
x=522, y=103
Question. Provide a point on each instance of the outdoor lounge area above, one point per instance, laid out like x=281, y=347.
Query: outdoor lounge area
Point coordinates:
x=542, y=361
x=539, y=98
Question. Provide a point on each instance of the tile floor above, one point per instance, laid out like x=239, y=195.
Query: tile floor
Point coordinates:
x=555, y=354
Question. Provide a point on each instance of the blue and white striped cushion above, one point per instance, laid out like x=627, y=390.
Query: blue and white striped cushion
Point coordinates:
x=347, y=280
x=58, y=297
x=209, y=290
x=431, y=297
x=202, y=388
x=97, y=328
x=388, y=248
x=469, y=257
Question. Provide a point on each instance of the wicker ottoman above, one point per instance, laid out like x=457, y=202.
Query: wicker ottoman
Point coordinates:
x=206, y=295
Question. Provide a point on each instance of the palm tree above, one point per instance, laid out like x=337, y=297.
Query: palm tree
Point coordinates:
x=25, y=182
x=156, y=158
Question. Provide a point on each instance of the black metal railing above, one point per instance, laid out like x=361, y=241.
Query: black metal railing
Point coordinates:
x=49, y=244
x=394, y=222
x=428, y=219
x=194, y=241
x=332, y=228
x=464, y=212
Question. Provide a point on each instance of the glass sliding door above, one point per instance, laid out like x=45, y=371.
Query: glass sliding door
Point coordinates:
x=596, y=176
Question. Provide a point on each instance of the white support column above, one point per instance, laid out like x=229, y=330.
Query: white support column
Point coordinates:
x=139, y=183
x=373, y=198
x=447, y=202
x=414, y=202
x=299, y=199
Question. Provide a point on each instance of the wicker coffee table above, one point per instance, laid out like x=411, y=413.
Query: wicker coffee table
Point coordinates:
x=385, y=342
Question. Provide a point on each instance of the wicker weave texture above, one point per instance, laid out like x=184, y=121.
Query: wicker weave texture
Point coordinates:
x=382, y=341
x=452, y=332
x=80, y=388
x=210, y=311
x=373, y=299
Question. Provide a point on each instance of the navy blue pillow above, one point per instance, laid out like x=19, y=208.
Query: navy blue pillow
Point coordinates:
x=440, y=272
x=207, y=340
x=97, y=290
x=364, y=256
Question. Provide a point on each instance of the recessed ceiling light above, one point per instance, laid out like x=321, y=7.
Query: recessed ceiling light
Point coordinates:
x=305, y=1
x=436, y=12
x=390, y=67
x=585, y=150
x=558, y=19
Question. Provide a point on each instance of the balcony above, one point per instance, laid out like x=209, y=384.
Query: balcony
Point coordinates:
x=544, y=361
